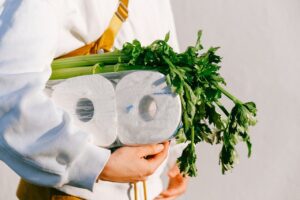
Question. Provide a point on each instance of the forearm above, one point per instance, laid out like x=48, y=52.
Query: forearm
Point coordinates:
x=38, y=139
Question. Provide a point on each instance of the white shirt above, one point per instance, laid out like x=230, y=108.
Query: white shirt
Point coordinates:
x=37, y=139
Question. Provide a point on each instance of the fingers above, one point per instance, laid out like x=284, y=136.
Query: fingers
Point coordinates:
x=165, y=198
x=149, y=150
x=177, y=185
x=173, y=192
x=170, y=194
x=118, y=169
x=156, y=160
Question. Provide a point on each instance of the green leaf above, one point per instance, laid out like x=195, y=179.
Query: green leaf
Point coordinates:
x=194, y=76
x=198, y=45
x=167, y=37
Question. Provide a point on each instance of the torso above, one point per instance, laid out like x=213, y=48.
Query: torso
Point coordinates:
x=83, y=21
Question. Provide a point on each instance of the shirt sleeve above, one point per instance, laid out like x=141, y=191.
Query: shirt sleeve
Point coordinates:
x=37, y=139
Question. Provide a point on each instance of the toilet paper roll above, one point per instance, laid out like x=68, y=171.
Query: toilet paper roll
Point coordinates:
x=90, y=101
x=148, y=112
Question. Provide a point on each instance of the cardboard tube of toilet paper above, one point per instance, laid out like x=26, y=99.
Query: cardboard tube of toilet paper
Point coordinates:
x=148, y=112
x=90, y=102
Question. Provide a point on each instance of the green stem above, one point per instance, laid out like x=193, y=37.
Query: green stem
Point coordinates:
x=89, y=60
x=226, y=93
x=222, y=108
x=193, y=136
x=65, y=73
x=168, y=61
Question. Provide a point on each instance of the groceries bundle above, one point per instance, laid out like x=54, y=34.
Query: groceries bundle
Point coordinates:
x=144, y=95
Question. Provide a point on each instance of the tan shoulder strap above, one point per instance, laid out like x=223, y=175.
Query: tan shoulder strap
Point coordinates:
x=106, y=41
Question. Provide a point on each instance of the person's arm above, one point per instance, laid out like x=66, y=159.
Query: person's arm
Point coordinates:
x=37, y=139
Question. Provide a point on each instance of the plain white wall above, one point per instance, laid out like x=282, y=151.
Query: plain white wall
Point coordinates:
x=260, y=48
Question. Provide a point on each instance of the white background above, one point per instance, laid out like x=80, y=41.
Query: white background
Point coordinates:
x=260, y=49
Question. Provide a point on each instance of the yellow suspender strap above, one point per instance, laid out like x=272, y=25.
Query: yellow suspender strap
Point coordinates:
x=106, y=41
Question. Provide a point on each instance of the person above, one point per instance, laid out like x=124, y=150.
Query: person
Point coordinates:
x=38, y=140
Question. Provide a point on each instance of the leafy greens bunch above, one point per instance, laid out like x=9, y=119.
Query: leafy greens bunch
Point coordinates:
x=194, y=76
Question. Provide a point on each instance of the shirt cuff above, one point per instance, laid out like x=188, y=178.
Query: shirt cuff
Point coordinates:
x=87, y=167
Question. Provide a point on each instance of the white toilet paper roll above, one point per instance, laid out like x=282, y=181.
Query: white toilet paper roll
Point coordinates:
x=148, y=112
x=90, y=101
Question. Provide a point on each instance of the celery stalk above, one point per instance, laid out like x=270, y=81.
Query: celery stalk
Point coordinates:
x=64, y=73
x=90, y=60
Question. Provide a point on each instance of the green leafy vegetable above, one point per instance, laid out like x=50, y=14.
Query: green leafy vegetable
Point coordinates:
x=194, y=76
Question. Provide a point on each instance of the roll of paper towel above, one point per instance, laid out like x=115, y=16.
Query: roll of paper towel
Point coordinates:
x=148, y=112
x=90, y=101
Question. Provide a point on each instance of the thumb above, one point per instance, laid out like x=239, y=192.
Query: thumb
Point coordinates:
x=149, y=150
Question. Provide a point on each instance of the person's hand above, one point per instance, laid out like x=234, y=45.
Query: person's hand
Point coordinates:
x=177, y=185
x=133, y=164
